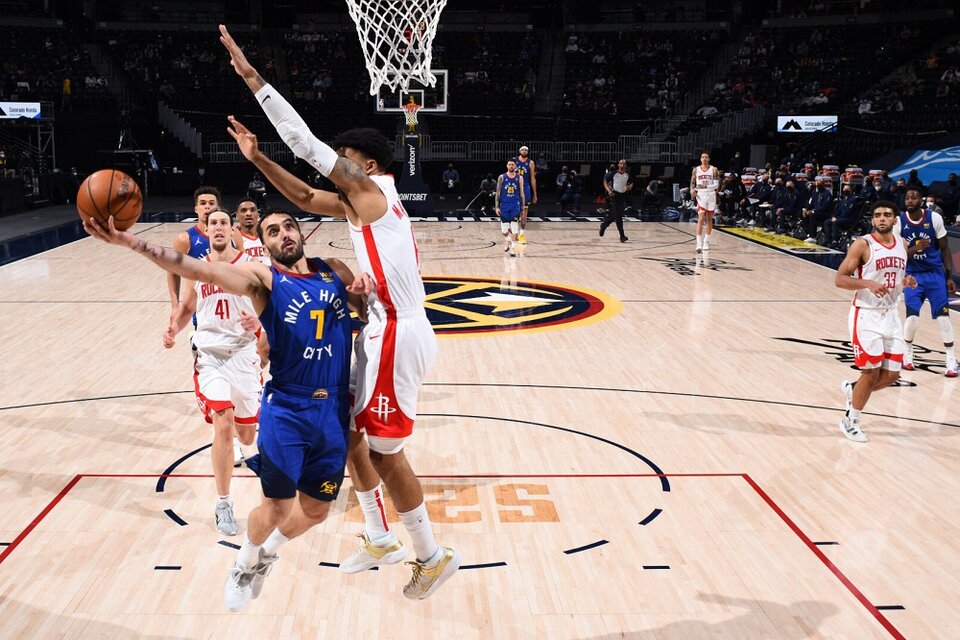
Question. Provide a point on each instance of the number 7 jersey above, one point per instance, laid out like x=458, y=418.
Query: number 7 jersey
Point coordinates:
x=218, y=317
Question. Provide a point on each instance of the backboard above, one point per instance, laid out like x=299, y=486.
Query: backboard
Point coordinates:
x=431, y=99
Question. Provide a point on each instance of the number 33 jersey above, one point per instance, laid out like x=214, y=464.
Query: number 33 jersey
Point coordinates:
x=886, y=265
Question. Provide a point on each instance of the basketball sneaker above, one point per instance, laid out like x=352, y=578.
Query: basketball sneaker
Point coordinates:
x=237, y=454
x=260, y=573
x=706, y=243
x=426, y=580
x=699, y=245
x=226, y=522
x=370, y=555
x=851, y=429
x=237, y=591
x=847, y=387
x=951, y=370
x=522, y=238
x=908, y=358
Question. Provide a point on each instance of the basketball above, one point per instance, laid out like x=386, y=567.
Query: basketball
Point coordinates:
x=110, y=193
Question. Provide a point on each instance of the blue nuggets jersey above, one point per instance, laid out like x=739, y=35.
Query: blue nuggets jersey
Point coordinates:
x=523, y=170
x=510, y=191
x=199, y=243
x=308, y=326
x=929, y=259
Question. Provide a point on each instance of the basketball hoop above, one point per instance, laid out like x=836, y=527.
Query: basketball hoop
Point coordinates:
x=410, y=111
x=397, y=40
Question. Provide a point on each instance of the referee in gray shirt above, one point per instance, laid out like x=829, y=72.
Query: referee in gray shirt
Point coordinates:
x=617, y=184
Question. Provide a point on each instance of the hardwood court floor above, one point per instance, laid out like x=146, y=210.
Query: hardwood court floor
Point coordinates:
x=540, y=452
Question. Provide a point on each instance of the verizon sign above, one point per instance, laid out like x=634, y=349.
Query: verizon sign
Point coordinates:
x=11, y=110
x=806, y=124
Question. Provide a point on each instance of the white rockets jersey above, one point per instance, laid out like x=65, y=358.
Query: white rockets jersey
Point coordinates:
x=254, y=248
x=387, y=249
x=218, y=317
x=706, y=179
x=886, y=265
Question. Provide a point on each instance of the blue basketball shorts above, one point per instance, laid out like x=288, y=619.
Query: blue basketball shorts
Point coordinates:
x=303, y=442
x=509, y=211
x=932, y=287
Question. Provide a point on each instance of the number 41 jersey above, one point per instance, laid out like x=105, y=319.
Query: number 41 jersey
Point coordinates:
x=218, y=317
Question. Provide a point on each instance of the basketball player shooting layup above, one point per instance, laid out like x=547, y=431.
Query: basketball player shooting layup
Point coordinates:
x=397, y=346
x=879, y=260
x=304, y=413
x=227, y=371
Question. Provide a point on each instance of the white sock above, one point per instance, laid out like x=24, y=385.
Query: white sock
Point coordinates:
x=946, y=332
x=249, y=555
x=910, y=328
x=417, y=523
x=271, y=546
x=225, y=498
x=855, y=415
x=374, y=513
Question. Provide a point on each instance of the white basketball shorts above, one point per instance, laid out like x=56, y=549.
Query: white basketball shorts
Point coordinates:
x=877, y=338
x=229, y=382
x=392, y=359
x=706, y=200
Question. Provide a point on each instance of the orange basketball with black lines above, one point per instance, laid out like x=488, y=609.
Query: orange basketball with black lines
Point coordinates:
x=110, y=193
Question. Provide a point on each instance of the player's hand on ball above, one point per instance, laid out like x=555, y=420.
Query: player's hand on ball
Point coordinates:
x=363, y=284
x=246, y=140
x=237, y=60
x=110, y=235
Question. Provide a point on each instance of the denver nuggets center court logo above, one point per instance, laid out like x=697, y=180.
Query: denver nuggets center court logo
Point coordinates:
x=459, y=306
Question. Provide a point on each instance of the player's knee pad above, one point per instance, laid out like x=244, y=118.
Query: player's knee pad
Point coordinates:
x=946, y=328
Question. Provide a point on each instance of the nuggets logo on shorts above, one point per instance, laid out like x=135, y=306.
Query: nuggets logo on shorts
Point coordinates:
x=328, y=488
x=457, y=306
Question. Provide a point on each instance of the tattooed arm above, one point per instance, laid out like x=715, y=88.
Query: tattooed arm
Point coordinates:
x=252, y=279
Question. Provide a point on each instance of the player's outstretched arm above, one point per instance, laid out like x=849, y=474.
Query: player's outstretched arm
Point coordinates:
x=293, y=188
x=251, y=279
x=365, y=196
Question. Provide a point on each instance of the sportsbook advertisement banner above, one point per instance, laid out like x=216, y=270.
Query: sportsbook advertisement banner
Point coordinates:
x=13, y=110
x=807, y=124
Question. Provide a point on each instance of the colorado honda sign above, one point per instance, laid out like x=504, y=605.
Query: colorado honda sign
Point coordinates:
x=806, y=124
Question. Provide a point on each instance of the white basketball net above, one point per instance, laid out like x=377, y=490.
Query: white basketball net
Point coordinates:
x=410, y=114
x=397, y=40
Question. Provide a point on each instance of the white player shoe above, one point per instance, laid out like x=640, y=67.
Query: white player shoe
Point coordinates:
x=226, y=521
x=237, y=591
x=706, y=243
x=908, y=358
x=260, y=573
x=699, y=244
x=851, y=429
x=426, y=580
x=951, y=370
x=370, y=555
